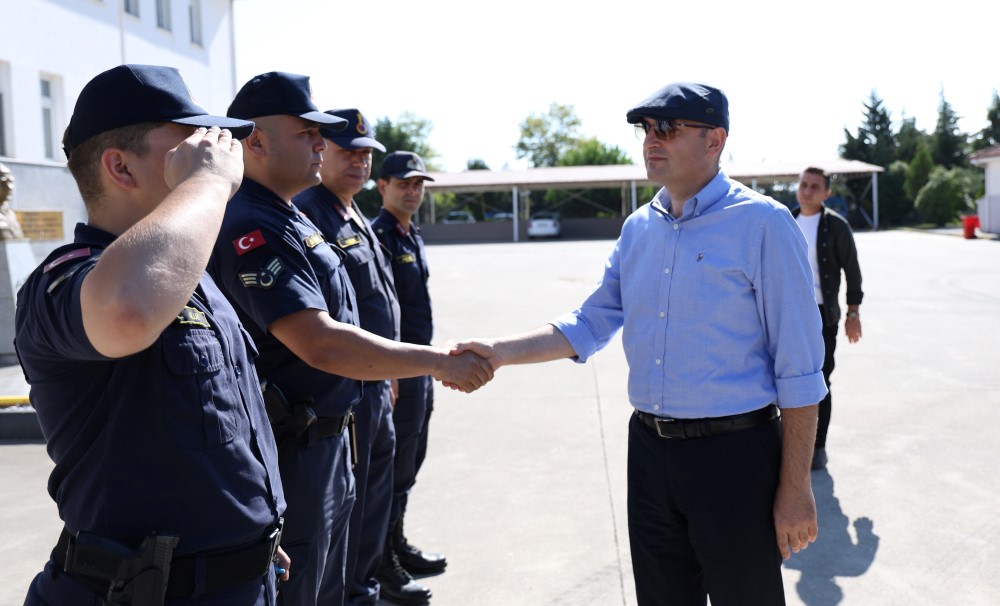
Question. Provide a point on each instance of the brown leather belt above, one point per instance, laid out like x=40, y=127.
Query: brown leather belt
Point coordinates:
x=685, y=429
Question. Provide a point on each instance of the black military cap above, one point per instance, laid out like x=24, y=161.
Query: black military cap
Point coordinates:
x=684, y=101
x=132, y=94
x=357, y=133
x=278, y=93
x=403, y=165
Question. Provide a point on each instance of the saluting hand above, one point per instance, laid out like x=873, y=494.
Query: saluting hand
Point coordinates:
x=209, y=154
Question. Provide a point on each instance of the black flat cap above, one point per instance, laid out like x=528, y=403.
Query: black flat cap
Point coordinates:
x=684, y=101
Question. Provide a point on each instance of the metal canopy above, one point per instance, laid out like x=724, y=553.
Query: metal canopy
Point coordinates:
x=613, y=175
x=632, y=176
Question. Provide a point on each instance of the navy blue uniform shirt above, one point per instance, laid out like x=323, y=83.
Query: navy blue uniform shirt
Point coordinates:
x=368, y=268
x=173, y=438
x=409, y=268
x=271, y=262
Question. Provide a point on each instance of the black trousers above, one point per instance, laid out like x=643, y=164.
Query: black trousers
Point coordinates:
x=826, y=404
x=701, y=519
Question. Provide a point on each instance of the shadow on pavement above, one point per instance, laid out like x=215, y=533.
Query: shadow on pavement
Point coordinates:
x=835, y=553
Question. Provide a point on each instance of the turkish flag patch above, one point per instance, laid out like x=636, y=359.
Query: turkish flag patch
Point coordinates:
x=248, y=242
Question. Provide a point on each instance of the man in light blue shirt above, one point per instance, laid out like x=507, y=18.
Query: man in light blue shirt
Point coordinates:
x=711, y=285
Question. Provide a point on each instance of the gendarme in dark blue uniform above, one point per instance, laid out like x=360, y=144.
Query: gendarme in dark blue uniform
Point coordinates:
x=172, y=439
x=271, y=261
x=415, y=402
x=376, y=436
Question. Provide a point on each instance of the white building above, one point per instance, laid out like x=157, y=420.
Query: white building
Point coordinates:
x=49, y=49
x=988, y=207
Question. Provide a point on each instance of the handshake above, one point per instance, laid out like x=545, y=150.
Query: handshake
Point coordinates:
x=468, y=366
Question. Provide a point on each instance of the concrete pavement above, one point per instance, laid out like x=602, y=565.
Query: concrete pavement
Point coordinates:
x=524, y=484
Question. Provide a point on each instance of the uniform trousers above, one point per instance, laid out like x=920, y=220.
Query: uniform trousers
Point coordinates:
x=411, y=417
x=320, y=494
x=826, y=404
x=376, y=439
x=701, y=520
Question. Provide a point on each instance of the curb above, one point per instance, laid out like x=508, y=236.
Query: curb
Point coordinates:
x=20, y=425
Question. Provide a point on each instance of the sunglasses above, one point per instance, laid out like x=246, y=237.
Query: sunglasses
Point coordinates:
x=664, y=129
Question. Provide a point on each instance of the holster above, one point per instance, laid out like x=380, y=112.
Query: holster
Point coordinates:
x=289, y=422
x=135, y=577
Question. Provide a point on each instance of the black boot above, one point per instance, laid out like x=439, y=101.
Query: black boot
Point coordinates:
x=396, y=585
x=414, y=560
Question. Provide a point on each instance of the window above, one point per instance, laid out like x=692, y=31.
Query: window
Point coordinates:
x=3, y=133
x=132, y=7
x=194, y=12
x=163, y=14
x=48, y=119
x=5, y=97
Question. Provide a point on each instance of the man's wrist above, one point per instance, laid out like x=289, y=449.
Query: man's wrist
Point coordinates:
x=853, y=315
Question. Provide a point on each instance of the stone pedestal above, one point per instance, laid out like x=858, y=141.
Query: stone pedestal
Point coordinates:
x=16, y=263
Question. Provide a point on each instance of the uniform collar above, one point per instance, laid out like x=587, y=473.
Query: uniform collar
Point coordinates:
x=88, y=234
x=256, y=191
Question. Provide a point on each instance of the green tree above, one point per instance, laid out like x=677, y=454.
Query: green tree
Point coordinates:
x=592, y=152
x=990, y=136
x=408, y=133
x=918, y=172
x=874, y=142
x=546, y=137
x=599, y=202
x=894, y=206
x=909, y=139
x=944, y=197
x=948, y=144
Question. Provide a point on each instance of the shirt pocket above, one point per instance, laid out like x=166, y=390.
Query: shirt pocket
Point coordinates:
x=360, y=265
x=200, y=400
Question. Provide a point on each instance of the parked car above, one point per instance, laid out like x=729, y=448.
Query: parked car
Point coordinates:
x=458, y=216
x=544, y=225
x=501, y=217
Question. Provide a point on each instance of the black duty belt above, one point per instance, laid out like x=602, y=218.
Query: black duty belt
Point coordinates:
x=684, y=429
x=205, y=572
x=332, y=426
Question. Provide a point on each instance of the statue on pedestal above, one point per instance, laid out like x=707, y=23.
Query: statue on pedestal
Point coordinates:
x=10, y=229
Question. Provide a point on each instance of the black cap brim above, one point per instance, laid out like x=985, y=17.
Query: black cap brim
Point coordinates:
x=240, y=129
x=351, y=142
x=334, y=123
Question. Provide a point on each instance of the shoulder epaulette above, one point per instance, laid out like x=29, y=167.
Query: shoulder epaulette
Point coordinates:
x=78, y=255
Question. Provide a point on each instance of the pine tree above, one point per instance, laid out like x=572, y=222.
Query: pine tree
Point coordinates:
x=948, y=144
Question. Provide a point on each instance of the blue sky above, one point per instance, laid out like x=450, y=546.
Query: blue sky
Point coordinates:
x=796, y=73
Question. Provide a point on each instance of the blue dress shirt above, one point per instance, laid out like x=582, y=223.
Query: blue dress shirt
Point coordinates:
x=716, y=306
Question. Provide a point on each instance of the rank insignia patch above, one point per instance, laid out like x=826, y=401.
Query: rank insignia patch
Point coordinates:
x=404, y=259
x=349, y=241
x=314, y=240
x=190, y=316
x=248, y=242
x=265, y=278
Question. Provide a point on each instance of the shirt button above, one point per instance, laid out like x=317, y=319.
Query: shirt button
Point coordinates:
x=662, y=314
x=658, y=361
x=656, y=406
x=666, y=271
x=676, y=226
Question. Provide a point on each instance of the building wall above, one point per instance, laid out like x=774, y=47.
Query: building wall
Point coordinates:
x=68, y=42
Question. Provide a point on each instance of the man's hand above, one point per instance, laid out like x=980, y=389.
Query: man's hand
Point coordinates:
x=852, y=327
x=795, y=522
x=208, y=154
x=282, y=561
x=464, y=371
x=484, y=348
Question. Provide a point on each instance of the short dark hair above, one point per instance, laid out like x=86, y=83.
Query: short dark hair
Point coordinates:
x=812, y=170
x=84, y=161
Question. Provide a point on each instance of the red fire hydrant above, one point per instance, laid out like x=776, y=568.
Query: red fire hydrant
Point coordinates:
x=969, y=225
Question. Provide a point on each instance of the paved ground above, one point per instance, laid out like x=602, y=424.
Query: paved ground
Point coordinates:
x=524, y=487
